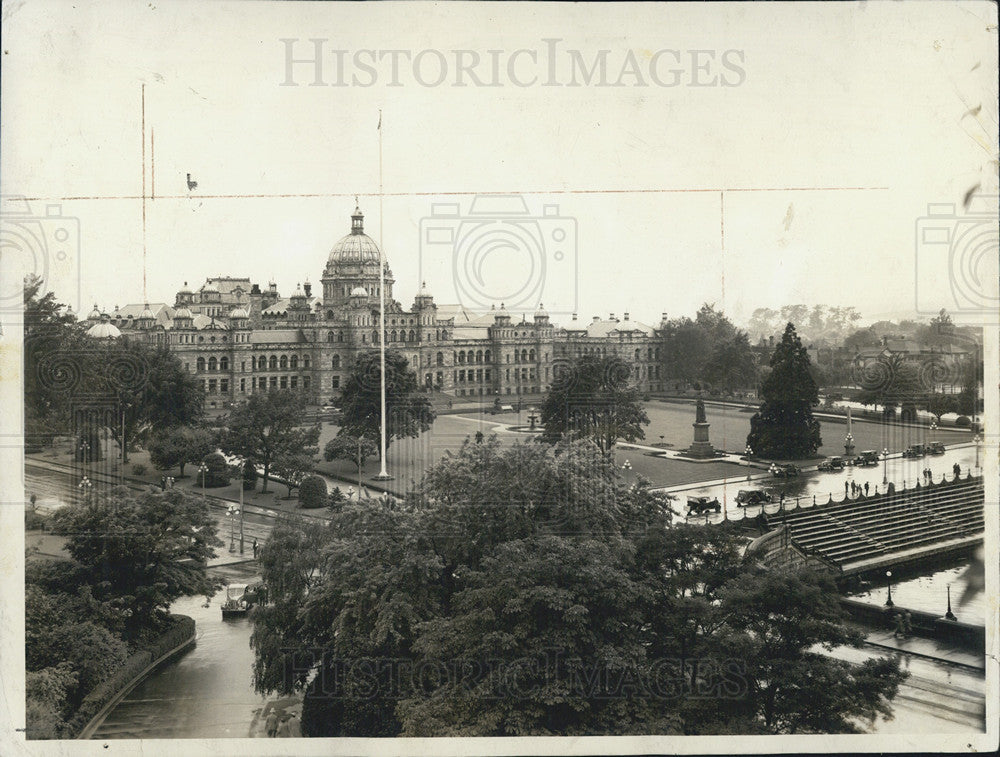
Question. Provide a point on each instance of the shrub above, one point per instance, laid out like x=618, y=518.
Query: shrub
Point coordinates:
x=963, y=421
x=217, y=473
x=335, y=502
x=138, y=469
x=312, y=492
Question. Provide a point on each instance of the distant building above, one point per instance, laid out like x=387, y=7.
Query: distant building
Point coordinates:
x=239, y=339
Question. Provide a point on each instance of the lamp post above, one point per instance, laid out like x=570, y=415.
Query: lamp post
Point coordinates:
x=85, y=486
x=748, y=452
x=626, y=467
x=976, y=440
x=888, y=601
x=84, y=450
x=949, y=615
x=203, y=470
x=885, y=465
x=231, y=512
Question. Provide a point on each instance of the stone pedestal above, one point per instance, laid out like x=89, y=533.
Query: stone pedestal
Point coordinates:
x=701, y=447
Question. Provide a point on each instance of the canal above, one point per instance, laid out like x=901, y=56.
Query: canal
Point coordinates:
x=205, y=692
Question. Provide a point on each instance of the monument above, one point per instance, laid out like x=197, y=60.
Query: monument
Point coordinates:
x=849, y=439
x=701, y=448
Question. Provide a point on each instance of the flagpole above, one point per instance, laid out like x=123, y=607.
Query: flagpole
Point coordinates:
x=383, y=473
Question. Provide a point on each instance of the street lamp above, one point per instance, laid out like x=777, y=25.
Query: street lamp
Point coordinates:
x=885, y=465
x=86, y=486
x=350, y=492
x=748, y=452
x=949, y=615
x=84, y=449
x=203, y=470
x=231, y=512
x=626, y=467
x=888, y=575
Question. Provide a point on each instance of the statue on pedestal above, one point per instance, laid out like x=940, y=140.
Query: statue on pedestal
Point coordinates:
x=701, y=447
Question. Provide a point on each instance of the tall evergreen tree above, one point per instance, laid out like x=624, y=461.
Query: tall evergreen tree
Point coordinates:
x=784, y=427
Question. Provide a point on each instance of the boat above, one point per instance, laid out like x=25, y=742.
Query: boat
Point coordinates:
x=241, y=597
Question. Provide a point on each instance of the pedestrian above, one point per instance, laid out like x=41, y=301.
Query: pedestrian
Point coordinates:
x=900, y=630
x=294, y=727
x=957, y=469
x=256, y=547
x=283, y=730
x=907, y=623
x=845, y=487
x=866, y=488
x=271, y=724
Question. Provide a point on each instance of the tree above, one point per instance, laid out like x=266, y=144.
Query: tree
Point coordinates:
x=592, y=398
x=731, y=364
x=145, y=549
x=266, y=426
x=292, y=467
x=408, y=411
x=355, y=449
x=216, y=471
x=313, y=492
x=176, y=447
x=784, y=427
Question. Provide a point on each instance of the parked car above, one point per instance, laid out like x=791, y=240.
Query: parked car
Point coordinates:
x=833, y=464
x=785, y=471
x=241, y=597
x=935, y=448
x=699, y=505
x=915, y=450
x=867, y=457
x=747, y=497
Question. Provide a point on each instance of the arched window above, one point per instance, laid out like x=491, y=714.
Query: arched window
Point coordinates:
x=649, y=354
x=340, y=336
x=272, y=363
x=212, y=364
x=638, y=353
x=336, y=362
x=440, y=358
x=329, y=336
x=479, y=356
x=261, y=363
x=486, y=356
x=531, y=356
x=461, y=357
x=293, y=362
x=223, y=363
x=657, y=353
x=392, y=335
x=374, y=337
x=444, y=334
x=201, y=364
x=413, y=335
x=283, y=362
x=524, y=356
x=305, y=362
x=437, y=333
x=329, y=315
x=402, y=335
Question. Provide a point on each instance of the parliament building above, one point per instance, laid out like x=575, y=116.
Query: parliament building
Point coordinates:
x=238, y=338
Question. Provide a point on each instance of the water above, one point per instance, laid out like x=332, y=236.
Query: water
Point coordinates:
x=930, y=594
x=204, y=693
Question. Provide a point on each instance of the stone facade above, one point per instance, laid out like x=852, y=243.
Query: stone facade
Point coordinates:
x=238, y=338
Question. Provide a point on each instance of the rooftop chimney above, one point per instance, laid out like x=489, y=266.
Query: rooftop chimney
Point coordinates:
x=597, y=318
x=574, y=316
x=307, y=288
x=626, y=315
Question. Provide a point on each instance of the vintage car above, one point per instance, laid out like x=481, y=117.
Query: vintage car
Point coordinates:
x=834, y=463
x=747, y=497
x=699, y=505
x=867, y=457
x=785, y=471
x=241, y=597
x=915, y=450
x=935, y=448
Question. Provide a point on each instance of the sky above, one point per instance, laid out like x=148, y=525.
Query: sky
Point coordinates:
x=752, y=155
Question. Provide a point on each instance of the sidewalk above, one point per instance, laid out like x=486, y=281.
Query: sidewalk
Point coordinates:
x=928, y=648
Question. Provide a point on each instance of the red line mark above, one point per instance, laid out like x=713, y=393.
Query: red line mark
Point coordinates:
x=313, y=195
x=144, y=295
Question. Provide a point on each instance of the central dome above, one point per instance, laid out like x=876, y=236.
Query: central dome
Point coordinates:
x=357, y=247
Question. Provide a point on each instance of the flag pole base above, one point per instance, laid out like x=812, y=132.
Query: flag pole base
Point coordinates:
x=382, y=477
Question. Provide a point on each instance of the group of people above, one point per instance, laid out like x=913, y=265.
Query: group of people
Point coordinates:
x=904, y=625
x=283, y=726
x=855, y=488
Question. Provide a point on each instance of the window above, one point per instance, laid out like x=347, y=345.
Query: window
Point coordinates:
x=295, y=382
x=329, y=336
x=284, y=382
x=272, y=362
x=413, y=334
x=524, y=356
x=223, y=363
x=336, y=362
x=243, y=366
x=294, y=362
x=274, y=382
x=211, y=386
x=461, y=377
x=340, y=336
x=200, y=364
x=224, y=386
x=461, y=358
x=243, y=386
x=531, y=356
x=486, y=374
x=486, y=356
x=261, y=363
x=335, y=382
x=305, y=382
x=479, y=374
x=305, y=362
x=439, y=378
x=283, y=362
